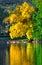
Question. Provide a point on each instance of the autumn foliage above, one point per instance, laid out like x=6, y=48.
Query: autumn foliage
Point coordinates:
x=20, y=21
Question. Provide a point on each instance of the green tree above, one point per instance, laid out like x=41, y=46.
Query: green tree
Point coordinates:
x=37, y=18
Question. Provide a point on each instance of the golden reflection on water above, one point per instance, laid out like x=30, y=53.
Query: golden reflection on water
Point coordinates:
x=18, y=55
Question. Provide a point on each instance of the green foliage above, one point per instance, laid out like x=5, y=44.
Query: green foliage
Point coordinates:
x=37, y=27
x=3, y=14
x=37, y=18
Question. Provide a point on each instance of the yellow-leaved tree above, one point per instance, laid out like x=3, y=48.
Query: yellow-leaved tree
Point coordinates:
x=20, y=21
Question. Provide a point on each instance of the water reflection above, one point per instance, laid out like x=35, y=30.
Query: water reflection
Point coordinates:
x=4, y=53
x=20, y=54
